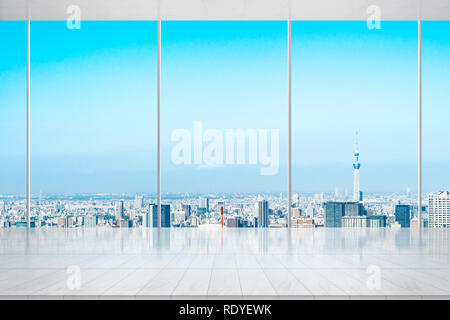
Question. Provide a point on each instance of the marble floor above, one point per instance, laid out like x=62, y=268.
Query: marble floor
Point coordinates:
x=208, y=263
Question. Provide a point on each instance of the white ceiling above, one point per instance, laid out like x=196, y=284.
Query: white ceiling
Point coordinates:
x=225, y=9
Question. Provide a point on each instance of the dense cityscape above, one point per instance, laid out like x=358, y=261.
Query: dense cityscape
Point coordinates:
x=331, y=210
x=239, y=210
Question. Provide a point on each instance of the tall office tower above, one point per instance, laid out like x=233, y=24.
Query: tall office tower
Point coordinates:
x=439, y=210
x=356, y=166
x=119, y=209
x=263, y=214
x=353, y=209
x=138, y=202
x=203, y=203
x=403, y=215
x=165, y=215
x=187, y=210
x=334, y=211
x=2, y=207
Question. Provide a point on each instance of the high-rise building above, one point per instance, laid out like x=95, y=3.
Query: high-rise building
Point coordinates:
x=165, y=215
x=119, y=209
x=357, y=195
x=203, y=203
x=439, y=210
x=403, y=215
x=138, y=202
x=353, y=209
x=263, y=214
x=187, y=211
x=334, y=211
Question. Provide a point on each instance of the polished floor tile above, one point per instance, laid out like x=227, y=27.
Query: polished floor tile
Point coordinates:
x=163, y=283
x=194, y=282
x=224, y=282
x=255, y=283
x=207, y=263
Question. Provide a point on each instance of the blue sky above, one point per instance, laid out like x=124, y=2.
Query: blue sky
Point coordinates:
x=94, y=103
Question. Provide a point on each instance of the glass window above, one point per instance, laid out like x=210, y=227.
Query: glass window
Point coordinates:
x=94, y=120
x=435, y=124
x=13, y=121
x=224, y=121
x=354, y=113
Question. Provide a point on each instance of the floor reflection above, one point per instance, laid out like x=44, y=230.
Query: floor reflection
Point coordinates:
x=210, y=262
x=213, y=239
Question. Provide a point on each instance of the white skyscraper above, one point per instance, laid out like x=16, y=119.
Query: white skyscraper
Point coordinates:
x=439, y=210
x=119, y=209
x=203, y=203
x=138, y=202
x=356, y=166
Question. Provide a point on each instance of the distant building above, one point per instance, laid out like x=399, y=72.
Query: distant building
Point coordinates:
x=23, y=224
x=376, y=221
x=122, y=223
x=364, y=221
x=165, y=215
x=353, y=209
x=302, y=222
x=119, y=209
x=439, y=210
x=263, y=214
x=90, y=221
x=403, y=215
x=138, y=202
x=334, y=211
x=234, y=222
x=354, y=222
x=414, y=224
x=201, y=212
x=187, y=211
x=203, y=203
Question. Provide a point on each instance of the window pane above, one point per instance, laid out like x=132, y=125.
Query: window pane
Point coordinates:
x=436, y=112
x=93, y=118
x=222, y=82
x=13, y=106
x=348, y=78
